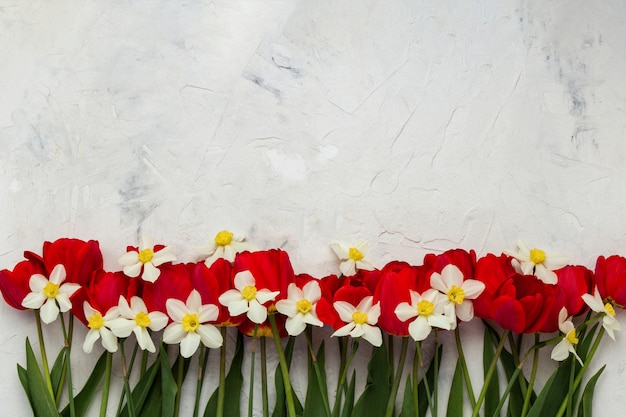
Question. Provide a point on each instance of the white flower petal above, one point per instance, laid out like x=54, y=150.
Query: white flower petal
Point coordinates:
x=57, y=276
x=405, y=311
x=158, y=321
x=419, y=329
x=189, y=344
x=37, y=283
x=133, y=270
x=263, y=296
x=294, y=293
x=561, y=350
x=340, y=250
x=244, y=279
x=230, y=296
x=373, y=335
x=345, y=330
x=295, y=325
x=143, y=339
x=438, y=320
x=452, y=275
x=256, y=312
x=173, y=333
x=312, y=292
x=90, y=339
x=163, y=256
x=176, y=309
x=34, y=300
x=150, y=272
x=365, y=305
x=345, y=310
x=49, y=311
x=472, y=288
x=194, y=301
x=210, y=336
x=348, y=267
x=465, y=310
x=236, y=308
x=122, y=327
x=130, y=258
x=109, y=341
x=208, y=312
x=555, y=261
x=287, y=307
x=544, y=274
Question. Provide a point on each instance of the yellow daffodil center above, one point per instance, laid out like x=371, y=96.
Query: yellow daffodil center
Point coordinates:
x=223, y=238
x=609, y=309
x=146, y=255
x=355, y=254
x=142, y=319
x=456, y=294
x=51, y=290
x=537, y=256
x=425, y=308
x=249, y=292
x=95, y=321
x=571, y=337
x=190, y=322
x=304, y=306
x=359, y=317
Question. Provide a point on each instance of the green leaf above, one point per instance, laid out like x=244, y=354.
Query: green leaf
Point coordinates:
x=143, y=387
x=233, y=383
x=348, y=405
x=584, y=408
x=554, y=391
x=21, y=373
x=43, y=403
x=280, y=409
x=408, y=408
x=56, y=373
x=373, y=400
x=316, y=388
x=492, y=395
x=455, y=400
x=83, y=399
x=168, y=384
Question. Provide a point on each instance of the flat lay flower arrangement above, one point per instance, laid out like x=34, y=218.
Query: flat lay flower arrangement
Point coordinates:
x=155, y=316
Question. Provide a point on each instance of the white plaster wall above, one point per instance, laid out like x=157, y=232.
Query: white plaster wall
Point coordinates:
x=418, y=125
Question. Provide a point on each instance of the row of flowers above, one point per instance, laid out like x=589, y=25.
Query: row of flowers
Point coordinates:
x=234, y=285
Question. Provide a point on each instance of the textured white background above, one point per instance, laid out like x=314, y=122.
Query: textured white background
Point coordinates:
x=418, y=125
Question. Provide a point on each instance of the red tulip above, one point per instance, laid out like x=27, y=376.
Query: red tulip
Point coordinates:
x=174, y=282
x=80, y=259
x=574, y=281
x=213, y=281
x=611, y=279
x=492, y=270
x=14, y=284
x=103, y=292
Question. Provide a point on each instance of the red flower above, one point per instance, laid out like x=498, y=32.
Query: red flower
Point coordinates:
x=611, y=279
x=80, y=259
x=213, y=281
x=103, y=292
x=396, y=281
x=492, y=270
x=14, y=284
x=174, y=282
x=462, y=259
x=574, y=281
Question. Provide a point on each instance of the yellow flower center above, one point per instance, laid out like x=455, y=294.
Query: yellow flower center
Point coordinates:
x=146, y=255
x=190, y=322
x=355, y=254
x=425, y=308
x=95, y=321
x=249, y=292
x=609, y=309
x=571, y=337
x=51, y=290
x=223, y=238
x=537, y=256
x=359, y=317
x=142, y=319
x=304, y=306
x=456, y=294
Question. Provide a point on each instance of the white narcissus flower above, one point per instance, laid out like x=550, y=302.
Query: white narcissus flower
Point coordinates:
x=246, y=298
x=225, y=245
x=458, y=292
x=136, y=319
x=299, y=307
x=361, y=320
x=98, y=328
x=537, y=262
x=147, y=259
x=566, y=346
x=609, y=322
x=190, y=324
x=352, y=257
x=428, y=310
x=50, y=295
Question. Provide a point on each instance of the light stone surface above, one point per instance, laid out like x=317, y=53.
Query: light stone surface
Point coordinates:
x=419, y=126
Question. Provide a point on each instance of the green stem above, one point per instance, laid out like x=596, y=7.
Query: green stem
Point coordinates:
x=418, y=345
x=179, y=384
x=396, y=380
x=318, y=371
x=291, y=408
x=129, y=398
x=221, y=389
x=144, y=360
x=490, y=372
x=252, y=357
x=264, y=378
x=416, y=380
x=531, y=381
x=107, y=384
x=130, y=368
x=390, y=357
x=570, y=391
x=466, y=375
x=342, y=378
x=436, y=373
x=44, y=356
x=67, y=337
x=202, y=361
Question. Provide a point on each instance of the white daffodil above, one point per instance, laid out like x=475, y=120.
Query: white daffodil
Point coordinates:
x=609, y=322
x=361, y=320
x=190, y=324
x=145, y=258
x=562, y=350
x=428, y=310
x=50, y=295
x=299, y=307
x=246, y=298
x=352, y=257
x=458, y=292
x=225, y=245
x=135, y=318
x=98, y=328
x=537, y=262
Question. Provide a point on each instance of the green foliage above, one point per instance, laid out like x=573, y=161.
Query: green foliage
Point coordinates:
x=83, y=399
x=373, y=400
x=233, y=383
x=455, y=400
